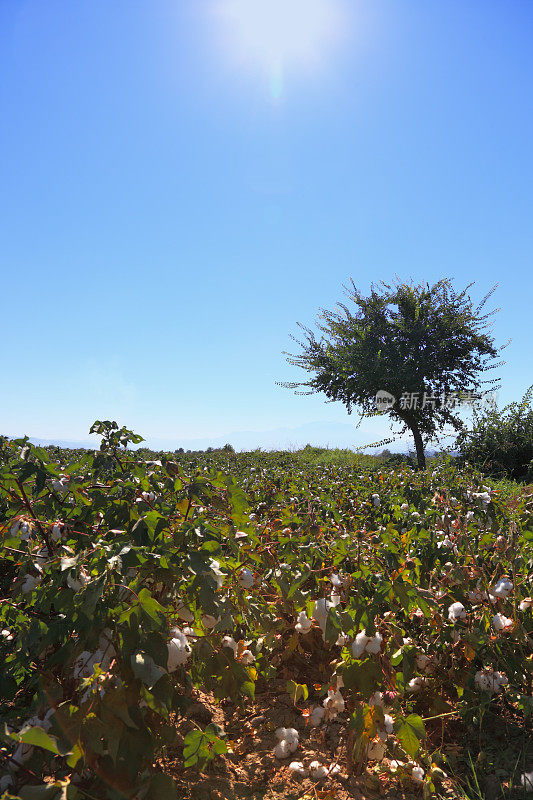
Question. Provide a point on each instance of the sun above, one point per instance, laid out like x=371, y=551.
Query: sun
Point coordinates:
x=278, y=34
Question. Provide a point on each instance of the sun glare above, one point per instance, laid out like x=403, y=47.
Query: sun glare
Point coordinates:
x=277, y=34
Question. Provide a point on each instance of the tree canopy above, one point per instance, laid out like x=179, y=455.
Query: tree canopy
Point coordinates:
x=425, y=346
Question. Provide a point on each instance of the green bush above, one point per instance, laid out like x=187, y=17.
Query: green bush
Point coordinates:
x=500, y=442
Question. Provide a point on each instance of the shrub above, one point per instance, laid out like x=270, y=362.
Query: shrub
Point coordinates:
x=501, y=441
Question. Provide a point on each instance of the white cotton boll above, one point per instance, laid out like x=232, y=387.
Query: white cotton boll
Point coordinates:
x=282, y=749
x=456, y=612
x=320, y=612
x=229, y=641
x=219, y=576
x=25, y=531
x=360, y=643
x=317, y=771
x=246, y=579
x=342, y=640
x=336, y=580
x=416, y=684
x=247, y=657
x=421, y=661
x=501, y=622
x=291, y=735
x=376, y=500
x=297, y=768
x=417, y=773
x=503, y=588
x=334, y=702
x=6, y=634
x=303, y=624
x=526, y=603
x=179, y=651
x=526, y=780
x=316, y=716
x=280, y=733
x=404, y=507
x=241, y=535
x=376, y=750
x=76, y=584
x=376, y=699
x=389, y=723
x=333, y=769
x=374, y=644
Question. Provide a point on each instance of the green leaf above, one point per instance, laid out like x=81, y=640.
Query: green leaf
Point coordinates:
x=410, y=732
x=38, y=737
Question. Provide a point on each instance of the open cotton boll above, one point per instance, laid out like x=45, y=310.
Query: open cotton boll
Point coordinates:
x=376, y=502
x=317, y=771
x=179, y=650
x=376, y=699
x=303, y=624
x=246, y=579
x=247, y=657
x=280, y=733
x=334, y=702
x=501, y=622
x=374, y=644
x=214, y=568
x=503, y=588
x=456, y=612
x=297, y=768
x=76, y=584
x=282, y=749
x=416, y=684
x=526, y=603
x=417, y=774
x=229, y=641
x=359, y=645
x=55, y=533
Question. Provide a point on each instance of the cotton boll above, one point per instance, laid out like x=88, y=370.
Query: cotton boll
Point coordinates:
x=297, y=768
x=526, y=604
x=280, y=733
x=317, y=771
x=503, y=588
x=501, y=622
x=456, y=612
x=229, y=641
x=291, y=735
x=333, y=769
x=416, y=684
x=179, y=650
x=246, y=579
x=417, y=773
x=336, y=580
x=376, y=502
x=359, y=645
x=303, y=624
x=282, y=749
x=374, y=644
x=376, y=699
x=342, y=640
x=334, y=702
x=247, y=657
x=55, y=533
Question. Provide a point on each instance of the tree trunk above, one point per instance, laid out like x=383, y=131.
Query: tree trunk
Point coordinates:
x=419, y=444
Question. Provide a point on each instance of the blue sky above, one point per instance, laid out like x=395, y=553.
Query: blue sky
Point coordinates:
x=173, y=201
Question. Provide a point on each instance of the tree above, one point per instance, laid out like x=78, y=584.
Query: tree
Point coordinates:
x=421, y=347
